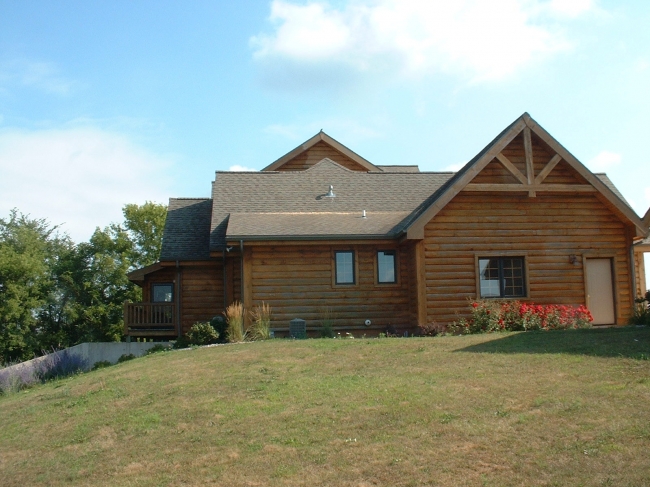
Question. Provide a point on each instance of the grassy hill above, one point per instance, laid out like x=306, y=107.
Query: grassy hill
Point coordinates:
x=548, y=408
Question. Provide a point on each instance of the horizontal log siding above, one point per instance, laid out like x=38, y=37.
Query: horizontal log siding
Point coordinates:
x=201, y=294
x=317, y=153
x=165, y=275
x=297, y=283
x=547, y=229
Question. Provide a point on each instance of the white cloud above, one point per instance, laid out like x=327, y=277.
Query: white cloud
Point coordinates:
x=78, y=177
x=473, y=39
x=570, y=8
x=43, y=76
x=455, y=167
x=604, y=160
x=238, y=168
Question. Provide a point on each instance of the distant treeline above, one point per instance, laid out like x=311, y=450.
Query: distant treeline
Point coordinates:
x=55, y=293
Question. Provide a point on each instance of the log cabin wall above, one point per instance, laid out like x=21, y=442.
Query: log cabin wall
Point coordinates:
x=297, y=281
x=201, y=293
x=546, y=230
x=317, y=153
x=162, y=276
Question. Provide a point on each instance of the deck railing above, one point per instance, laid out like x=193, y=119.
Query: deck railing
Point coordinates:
x=149, y=319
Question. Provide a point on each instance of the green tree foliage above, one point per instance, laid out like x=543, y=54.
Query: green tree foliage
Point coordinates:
x=30, y=249
x=54, y=293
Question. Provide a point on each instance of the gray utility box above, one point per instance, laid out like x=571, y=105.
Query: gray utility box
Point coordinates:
x=298, y=328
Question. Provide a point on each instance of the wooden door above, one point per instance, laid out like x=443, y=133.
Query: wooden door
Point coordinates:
x=600, y=291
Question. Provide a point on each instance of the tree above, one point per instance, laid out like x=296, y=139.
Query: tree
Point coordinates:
x=29, y=250
x=55, y=294
x=144, y=226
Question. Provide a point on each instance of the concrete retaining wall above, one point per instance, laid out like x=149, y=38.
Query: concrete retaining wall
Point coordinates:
x=93, y=353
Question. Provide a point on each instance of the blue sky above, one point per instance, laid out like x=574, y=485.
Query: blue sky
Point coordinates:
x=107, y=103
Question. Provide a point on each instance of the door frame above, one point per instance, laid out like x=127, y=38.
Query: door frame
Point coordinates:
x=612, y=260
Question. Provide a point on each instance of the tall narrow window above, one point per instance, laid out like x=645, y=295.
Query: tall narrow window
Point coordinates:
x=502, y=277
x=344, y=267
x=386, y=266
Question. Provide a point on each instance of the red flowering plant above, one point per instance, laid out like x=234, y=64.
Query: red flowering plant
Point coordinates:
x=490, y=316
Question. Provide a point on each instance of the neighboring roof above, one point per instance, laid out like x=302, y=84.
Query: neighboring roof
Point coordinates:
x=270, y=196
x=321, y=136
x=313, y=225
x=414, y=168
x=646, y=218
x=608, y=182
x=438, y=200
x=187, y=229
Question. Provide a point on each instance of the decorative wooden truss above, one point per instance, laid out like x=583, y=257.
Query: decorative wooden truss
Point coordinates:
x=529, y=182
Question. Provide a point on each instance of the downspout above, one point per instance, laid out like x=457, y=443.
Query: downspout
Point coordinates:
x=178, y=298
x=225, y=282
x=241, y=270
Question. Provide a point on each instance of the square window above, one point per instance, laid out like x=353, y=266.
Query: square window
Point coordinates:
x=502, y=277
x=344, y=267
x=162, y=293
x=386, y=266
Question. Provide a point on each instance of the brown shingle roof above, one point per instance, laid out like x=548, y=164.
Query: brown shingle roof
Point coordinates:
x=321, y=225
x=304, y=192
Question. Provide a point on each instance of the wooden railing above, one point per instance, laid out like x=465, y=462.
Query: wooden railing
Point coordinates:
x=149, y=319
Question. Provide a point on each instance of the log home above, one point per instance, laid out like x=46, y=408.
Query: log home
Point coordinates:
x=389, y=246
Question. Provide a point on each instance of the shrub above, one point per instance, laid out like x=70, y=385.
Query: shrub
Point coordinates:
x=641, y=315
x=182, y=342
x=220, y=325
x=235, y=318
x=159, y=347
x=61, y=364
x=125, y=358
x=202, y=333
x=102, y=364
x=489, y=316
x=52, y=366
x=261, y=322
x=428, y=329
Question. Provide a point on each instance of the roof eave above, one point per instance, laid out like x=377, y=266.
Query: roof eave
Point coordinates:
x=231, y=239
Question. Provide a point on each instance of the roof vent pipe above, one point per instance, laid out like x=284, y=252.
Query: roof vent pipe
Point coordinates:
x=330, y=193
x=363, y=214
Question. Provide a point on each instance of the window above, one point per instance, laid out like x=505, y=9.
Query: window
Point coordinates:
x=386, y=266
x=162, y=293
x=502, y=277
x=344, y=267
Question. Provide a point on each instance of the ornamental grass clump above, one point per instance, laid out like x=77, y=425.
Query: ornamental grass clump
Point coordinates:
x=235, y=319
x=489, y=316
x=260, y=328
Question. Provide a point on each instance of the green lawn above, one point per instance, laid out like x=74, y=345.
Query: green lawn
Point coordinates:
x=548, y=408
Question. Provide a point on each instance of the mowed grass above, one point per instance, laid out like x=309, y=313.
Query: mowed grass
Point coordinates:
x=547, y=408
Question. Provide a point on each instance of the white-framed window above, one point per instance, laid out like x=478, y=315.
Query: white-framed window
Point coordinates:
x=386, y=266
x=344, y=267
